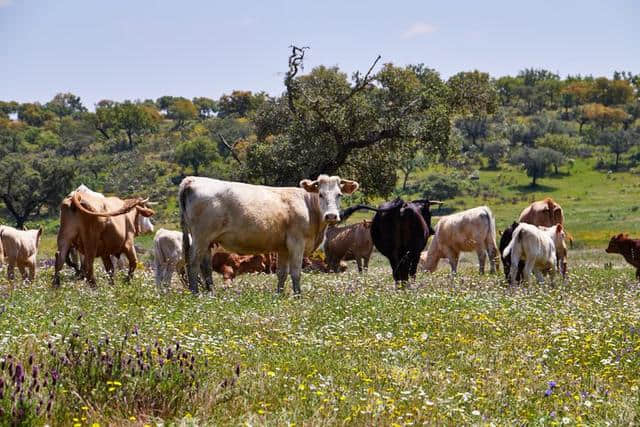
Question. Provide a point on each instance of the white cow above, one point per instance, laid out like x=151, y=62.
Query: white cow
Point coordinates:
x=19, y=248
x=256, y=219
x=538, y=247
x=167, y=255
x=466, y=231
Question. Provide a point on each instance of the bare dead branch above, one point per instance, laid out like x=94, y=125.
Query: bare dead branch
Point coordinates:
x=231, y=148
x=295, y=64
x=361, y=84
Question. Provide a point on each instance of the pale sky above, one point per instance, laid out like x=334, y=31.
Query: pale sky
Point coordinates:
x=137, y=49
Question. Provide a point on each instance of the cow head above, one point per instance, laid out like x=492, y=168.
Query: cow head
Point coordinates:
x=329, y=189
x=615, y=244
x=142, y=222
x=425, y=211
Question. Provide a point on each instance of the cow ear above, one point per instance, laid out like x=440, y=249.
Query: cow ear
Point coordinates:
x=347, y=186
x=559, y=228
x=310, y=186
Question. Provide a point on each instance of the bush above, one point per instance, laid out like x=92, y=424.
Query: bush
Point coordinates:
x=441, y=187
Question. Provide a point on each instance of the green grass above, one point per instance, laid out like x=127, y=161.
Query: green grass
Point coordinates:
x=353, y=350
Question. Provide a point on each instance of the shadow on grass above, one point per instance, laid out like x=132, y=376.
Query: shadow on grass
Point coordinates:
x=528, y=188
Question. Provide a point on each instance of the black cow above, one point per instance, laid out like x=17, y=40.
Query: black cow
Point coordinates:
x=505, y=239
x=400, y=231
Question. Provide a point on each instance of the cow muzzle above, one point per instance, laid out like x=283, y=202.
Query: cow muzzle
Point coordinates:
x=331, y=217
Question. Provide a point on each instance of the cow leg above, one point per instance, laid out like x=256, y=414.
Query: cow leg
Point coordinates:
x=539, y=276
x=132, y=257
x=453, y=262
x=282, y=270
x=169, y=268
x=32, y=269
x=413, y=268
x=482, y=257
x=638, y=274
x=207, y=272
x=159, y=268
x=366, y=264
x=73, y=261
x=198, y=251
x=61, y=256
x=359, y=264
x=11, y=265
x=295, y=266
x=108, y=267
x=23, y=271
x=528, y=268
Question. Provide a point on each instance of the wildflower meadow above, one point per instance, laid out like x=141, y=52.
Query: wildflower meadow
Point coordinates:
x=353, y=350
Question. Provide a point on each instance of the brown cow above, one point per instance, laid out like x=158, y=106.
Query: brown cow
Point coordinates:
x=545, y=213
x=349, y=243
x=99, y=226
x=628, y=248
x=20, y=248
x=230, y=265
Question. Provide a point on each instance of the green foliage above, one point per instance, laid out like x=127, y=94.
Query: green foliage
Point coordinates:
x=240, y=103
x=472, y=92
x=536, y=161
x=34, y=114
x=65, y=104
x=618, y=142
x=181, y=110
x=129, y=120
x=206, y=107
x=324, y=123
x=438, y=186
x=196, y=153
x=26, y=185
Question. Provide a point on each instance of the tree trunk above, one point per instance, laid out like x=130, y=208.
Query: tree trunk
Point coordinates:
x=404, y=181
x=533, y=184
x=555, y=167
x=617, y=160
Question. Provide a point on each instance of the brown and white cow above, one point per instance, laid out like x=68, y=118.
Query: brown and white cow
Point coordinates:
x=466, y=231
x=349, y=243
x=545, y=213
x=99, y=226
x=256, y=219
x=19, y=248
x=537, y=247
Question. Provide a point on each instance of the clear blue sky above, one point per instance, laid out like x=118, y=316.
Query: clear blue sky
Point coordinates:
x=137, y=49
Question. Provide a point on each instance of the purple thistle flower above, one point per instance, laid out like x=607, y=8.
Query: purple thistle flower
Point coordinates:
x=548, y=392
x=552, y=384
x=54, y=377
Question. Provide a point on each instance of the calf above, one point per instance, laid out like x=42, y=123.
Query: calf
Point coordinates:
x=470, y=230
x=628, y=248
x=167, y=255
x=20, y=248
x=538, y=247
x=230, y=265
x=349, y=243
x=505, y=239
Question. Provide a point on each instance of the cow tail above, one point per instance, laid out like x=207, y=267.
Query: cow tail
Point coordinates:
x=516, y=237
x=186, y=242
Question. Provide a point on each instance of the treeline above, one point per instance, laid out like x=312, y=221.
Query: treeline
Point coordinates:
x=378, y=127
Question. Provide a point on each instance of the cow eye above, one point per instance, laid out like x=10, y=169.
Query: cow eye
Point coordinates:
x=321, y=195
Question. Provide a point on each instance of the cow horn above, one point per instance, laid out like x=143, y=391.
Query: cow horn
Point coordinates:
x=153, y=203
x=144, y=200
x=436, y=202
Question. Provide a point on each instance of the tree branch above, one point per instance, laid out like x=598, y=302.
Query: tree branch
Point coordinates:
x=361, y=84
x=231, y=148
x=295, y=64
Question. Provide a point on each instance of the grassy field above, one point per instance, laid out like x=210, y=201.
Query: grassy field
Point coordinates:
x=352, y=350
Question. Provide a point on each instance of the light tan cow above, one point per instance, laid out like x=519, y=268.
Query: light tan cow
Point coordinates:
x=254, y=219
x=19, y=248
x=349, y=243
x=473, y=230
x=545, y=213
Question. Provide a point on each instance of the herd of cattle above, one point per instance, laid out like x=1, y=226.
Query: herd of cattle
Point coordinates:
x=234, y=228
